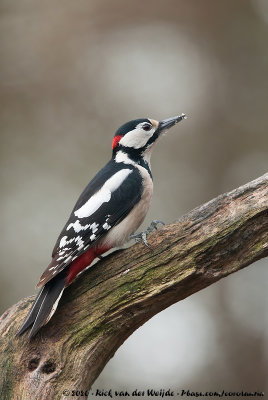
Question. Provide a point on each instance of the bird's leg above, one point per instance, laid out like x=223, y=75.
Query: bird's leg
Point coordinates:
x=142, y=236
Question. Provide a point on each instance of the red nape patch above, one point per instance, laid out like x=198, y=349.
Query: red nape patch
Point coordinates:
x=116, y=140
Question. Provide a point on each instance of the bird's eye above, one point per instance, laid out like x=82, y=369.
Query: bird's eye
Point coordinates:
x=146, y=127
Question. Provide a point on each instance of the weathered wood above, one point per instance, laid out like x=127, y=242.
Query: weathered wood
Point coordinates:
x=115, y=297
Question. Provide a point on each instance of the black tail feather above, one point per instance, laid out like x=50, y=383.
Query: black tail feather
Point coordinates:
x=44, y=306
x=33, y=311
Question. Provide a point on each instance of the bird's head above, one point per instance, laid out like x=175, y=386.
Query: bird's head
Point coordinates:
x=137, y=137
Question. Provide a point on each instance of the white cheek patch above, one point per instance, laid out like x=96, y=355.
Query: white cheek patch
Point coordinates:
x=103, y=195
x=137, y=138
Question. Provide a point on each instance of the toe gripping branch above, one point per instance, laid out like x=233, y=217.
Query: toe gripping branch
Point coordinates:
x=142, y=236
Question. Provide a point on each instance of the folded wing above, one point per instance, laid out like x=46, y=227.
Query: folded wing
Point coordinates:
x=107, y=199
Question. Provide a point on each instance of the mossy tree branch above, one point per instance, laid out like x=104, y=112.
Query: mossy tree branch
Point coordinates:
x=99, y=311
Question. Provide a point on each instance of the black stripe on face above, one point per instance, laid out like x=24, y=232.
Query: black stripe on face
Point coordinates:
x=153, y=138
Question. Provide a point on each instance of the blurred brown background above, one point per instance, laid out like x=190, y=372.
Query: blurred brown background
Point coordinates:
x=71, y=73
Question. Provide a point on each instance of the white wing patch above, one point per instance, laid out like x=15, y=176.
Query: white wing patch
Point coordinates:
x=78, y=227
x=64, y=252
x=103, y=195
x=63, y=241
x=106, y=226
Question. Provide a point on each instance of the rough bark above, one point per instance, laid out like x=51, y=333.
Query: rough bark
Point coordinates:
x=120, y=293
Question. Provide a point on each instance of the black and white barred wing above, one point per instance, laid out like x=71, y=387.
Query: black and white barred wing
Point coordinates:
x=101, y=206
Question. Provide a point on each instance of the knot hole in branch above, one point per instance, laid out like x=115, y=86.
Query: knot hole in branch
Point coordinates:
x=48, y=367
x=33, y=363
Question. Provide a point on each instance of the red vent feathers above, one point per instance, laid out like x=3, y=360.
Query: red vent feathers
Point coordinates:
x=116, y=140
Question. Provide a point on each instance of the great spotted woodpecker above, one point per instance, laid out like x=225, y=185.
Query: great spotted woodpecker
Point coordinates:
x=107, y=213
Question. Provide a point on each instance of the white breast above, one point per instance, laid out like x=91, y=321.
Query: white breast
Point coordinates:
x=120, y=233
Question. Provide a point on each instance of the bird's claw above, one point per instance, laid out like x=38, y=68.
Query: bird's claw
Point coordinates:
x=154, y=224
x=142, y=236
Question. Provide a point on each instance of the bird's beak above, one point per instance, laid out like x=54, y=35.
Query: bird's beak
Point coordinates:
x=169, y=122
